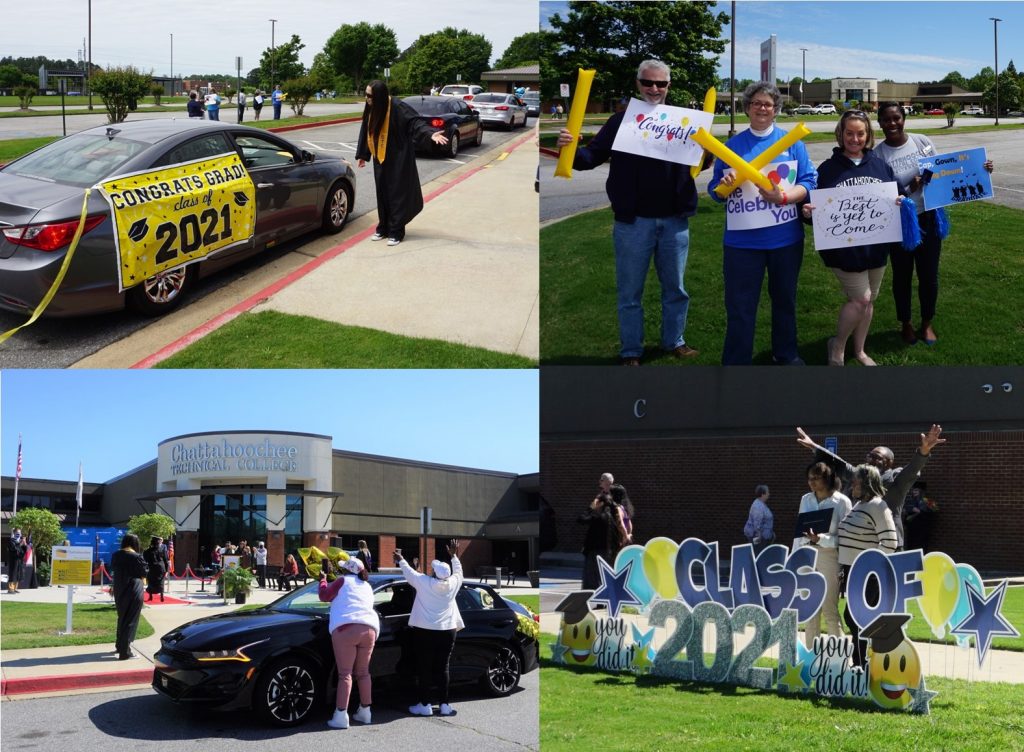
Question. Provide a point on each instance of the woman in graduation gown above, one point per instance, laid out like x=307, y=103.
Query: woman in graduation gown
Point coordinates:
x=128, y=568
x=388, y=137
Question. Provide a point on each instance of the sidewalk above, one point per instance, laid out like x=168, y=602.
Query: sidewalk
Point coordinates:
x=947, y=661
x=76, y=668
x=467, y=272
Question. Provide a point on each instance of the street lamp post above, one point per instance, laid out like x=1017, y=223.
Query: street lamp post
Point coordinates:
x=732, y=70
x=88, y=65
x=172, y=65
x=273, y=54
x=995, y=33
x=803, y=77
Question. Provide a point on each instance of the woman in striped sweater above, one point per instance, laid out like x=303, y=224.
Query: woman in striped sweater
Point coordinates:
x=868, y=525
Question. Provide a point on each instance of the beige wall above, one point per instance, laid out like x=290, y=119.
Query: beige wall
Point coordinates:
x=119, y=495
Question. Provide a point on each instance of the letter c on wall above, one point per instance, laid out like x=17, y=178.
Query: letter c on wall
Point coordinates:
x=640, y=408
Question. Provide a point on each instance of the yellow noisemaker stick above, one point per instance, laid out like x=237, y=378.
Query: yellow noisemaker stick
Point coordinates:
x=709, y=106
x=574, y=124
x=732, y=159
x=769, y=154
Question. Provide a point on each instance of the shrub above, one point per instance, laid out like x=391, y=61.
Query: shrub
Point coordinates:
x=299, y=91
x=120, y=89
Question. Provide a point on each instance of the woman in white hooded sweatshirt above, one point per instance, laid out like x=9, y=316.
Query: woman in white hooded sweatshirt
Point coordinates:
x=354, y=626
x=434, y=620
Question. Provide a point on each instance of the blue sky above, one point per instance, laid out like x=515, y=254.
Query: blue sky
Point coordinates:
x=904, y=41
x=113, y=420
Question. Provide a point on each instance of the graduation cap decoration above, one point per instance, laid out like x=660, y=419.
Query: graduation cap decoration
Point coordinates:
x=886, y=632
x=574, y=606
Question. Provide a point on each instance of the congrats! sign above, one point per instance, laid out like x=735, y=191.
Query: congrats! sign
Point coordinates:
x=675, y=592
x=177, y=215
x=661, y=132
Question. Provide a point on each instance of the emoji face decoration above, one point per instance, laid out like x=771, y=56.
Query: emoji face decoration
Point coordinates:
x=894, y=666
x=579, y=629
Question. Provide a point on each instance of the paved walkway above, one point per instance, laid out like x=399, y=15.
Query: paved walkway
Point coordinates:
x=76, y=668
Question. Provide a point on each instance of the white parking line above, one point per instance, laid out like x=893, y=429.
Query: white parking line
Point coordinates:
x=333, y=147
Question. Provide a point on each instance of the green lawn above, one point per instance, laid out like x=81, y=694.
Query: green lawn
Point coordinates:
x=276, y=340
x=12, y=148
x=36, y=625
x=587, y=709
x=980, y=317
x=530, y=601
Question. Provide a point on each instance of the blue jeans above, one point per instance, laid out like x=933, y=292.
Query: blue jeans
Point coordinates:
x=277, y=110
x=668, y=240
x=743, y=270
x=213, y=113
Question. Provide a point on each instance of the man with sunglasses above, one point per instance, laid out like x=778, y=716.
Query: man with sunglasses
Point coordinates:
x=652, y=201
x=896, y=480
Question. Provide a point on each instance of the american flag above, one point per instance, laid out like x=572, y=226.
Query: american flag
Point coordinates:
x=170, y=555
x=17, y=473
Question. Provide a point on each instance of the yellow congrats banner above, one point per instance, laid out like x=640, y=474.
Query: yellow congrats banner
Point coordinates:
x=177, y=215
x=574, y=123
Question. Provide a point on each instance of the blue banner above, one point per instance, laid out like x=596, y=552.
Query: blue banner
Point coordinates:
x=955, y=178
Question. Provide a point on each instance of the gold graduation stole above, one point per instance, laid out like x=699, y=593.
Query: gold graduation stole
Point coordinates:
x=379, y=150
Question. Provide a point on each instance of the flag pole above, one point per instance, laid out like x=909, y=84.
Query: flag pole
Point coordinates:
x=17, y=478
x=78, y=496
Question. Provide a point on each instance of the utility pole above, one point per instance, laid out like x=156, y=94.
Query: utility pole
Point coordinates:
x=273, y=55
x=995, y=32
x=803, y=77
x=88, y=65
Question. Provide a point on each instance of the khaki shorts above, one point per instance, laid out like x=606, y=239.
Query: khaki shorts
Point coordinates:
x=859, y=285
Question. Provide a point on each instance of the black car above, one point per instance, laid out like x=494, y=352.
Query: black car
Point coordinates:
x=452, y=116
x=279, y=660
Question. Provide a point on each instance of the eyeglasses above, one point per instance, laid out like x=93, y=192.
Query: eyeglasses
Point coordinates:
x=762, y=105
x=369, y=97
x=649, y=82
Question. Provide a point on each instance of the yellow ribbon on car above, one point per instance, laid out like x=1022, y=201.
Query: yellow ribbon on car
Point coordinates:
x=60, y=273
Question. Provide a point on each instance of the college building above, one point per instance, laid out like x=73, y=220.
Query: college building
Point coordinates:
x=294, y=490
x=691, y=447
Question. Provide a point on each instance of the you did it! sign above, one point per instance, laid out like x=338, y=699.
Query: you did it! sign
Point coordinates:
x=662, y=132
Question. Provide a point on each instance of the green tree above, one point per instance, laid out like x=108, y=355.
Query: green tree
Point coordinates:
x=120, y=89
x=147, y=525
x=42, y=526
x=956, y=78
x=1009, y=93
x=157, y=90
x=982, y=79
x=10, y=76
x=322, y=71
x=24, y=93
x=951, y=109
x=299, y=91
x=281, y=63
x=615, y=37
x=524, y=49
x=361, y=51
x=444, y=55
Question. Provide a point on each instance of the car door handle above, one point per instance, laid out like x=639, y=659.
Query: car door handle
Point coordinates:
x=501, y=622
x=264, y=185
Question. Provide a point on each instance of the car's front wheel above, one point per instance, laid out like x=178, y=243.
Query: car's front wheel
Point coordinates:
x=453, y=144
x=162, y=292
x=503, y=674
x=287, y=691
x=479, y=133
x=337, y=208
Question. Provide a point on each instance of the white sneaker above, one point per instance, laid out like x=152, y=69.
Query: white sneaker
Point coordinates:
x=421, y=709
x=447, y=709
x=393, y=241
x=340, y=720
x=362, y=715
x=376, y=236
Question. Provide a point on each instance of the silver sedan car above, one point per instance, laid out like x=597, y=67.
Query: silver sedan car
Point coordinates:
x=500, y=109
x=41, y=198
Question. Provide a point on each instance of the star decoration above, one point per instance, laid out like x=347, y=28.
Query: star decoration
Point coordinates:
x=643, y=660
x=614, y=592
x=792, y=681
x=922, y=697
x=558, y=652
x=805, y=656
x=985, y=620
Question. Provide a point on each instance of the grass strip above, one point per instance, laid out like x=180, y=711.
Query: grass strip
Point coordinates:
x=37, y=625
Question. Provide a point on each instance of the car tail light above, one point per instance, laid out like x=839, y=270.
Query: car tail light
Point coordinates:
x=501, y=107
x=49, y=236
x=437, y=123
x=467, y=97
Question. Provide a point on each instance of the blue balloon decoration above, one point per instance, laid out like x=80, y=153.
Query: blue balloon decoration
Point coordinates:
x=637, y=581
x=962, y=609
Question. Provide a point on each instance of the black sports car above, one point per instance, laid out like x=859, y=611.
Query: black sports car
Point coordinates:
x=279, y=661
x=459, y=122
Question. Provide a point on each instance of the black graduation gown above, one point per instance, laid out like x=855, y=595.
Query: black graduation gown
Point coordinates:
x=128, y=569
x=157, y=563
x=399, y=197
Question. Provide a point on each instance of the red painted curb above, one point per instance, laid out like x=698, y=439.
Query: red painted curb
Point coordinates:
x=35, y=684
x=300, y=126
x=232, y=313
x=549, y=152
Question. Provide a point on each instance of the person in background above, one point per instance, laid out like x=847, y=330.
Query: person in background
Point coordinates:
x=257, y=104
x=760, y=526
x=824, y=494
x=241, y=104
x=127, y=568
x=365, y=556
x=900, y=151
x=16, y=548
x=869, y=525
x=213, y=105
x=776, y=248
x=387, y=137
x=157, y=564
x=604, y=537
x=435, y=620
x=276, y=99
x=260, y=556
x=354, y=626
x=289, y=574
x=195, y=107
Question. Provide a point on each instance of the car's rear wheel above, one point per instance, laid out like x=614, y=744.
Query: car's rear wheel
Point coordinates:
x=504, y=672
x=287, y=692
x=453, y=144
x=162, y=292
x=479, y=133
x=337, y=208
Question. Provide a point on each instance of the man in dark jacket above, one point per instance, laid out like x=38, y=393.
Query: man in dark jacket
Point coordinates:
x=652, y=201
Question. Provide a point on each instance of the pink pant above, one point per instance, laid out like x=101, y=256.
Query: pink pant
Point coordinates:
x=353, y=646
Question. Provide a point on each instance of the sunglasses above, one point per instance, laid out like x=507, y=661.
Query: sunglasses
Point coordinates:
x=649, y=82
x=854, y=113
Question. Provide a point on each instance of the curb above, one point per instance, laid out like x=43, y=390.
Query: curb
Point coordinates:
x=301, y=126
x=38, y=684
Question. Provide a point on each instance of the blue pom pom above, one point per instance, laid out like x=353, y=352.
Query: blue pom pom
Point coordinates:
x=908, y=221
x=942, y=223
